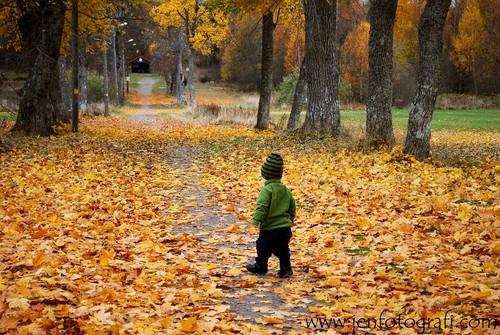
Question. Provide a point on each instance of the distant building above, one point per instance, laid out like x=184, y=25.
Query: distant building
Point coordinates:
x=139, y=64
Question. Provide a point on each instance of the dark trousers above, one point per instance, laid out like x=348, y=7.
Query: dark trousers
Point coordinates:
x=274, y=242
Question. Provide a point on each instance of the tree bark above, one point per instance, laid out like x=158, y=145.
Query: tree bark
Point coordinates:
x=65, y=91
x=75, y=52
x=114, y=67
x=323, y=110
x=106, y=81
x=298, y=99
x=179, y=78
x=40, y=25
x=192, y=93
x=430, y=42
x=173, y=84
x=121, y=44
x=83, y=81
x=379, y=130
x=266, y=80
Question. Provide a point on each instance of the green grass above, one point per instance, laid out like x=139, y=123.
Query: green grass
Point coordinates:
x=135, y=78
x=467, y=119
x=160, y=86
x=7, y=116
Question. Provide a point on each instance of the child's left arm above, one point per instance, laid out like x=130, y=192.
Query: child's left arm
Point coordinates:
x=262, y=208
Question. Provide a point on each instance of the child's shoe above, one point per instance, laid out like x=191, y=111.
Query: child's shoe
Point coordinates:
x=285, y=272
x=256, y=268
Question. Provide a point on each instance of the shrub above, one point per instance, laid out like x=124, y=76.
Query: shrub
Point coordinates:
x=286, y=89
x=95, y=87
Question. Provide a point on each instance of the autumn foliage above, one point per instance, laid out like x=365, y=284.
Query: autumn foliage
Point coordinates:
x=133, y=228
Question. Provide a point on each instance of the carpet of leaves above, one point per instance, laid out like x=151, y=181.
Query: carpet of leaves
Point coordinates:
x=88, y=239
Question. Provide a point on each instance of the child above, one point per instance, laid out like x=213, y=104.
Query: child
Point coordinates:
x=274, y=215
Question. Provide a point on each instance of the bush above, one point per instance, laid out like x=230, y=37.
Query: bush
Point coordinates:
x=286, y=89
x=95, y=87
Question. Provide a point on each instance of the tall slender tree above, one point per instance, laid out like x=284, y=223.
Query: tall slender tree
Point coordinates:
x=179, y=73
x=114, y=67
x=323, y=111
x=382, y=14
x=266, y=78
x=105, y=80
x=203, y=27
x=298, y=99
x=430, y=45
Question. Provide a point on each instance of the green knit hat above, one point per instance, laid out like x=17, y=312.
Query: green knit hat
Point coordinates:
x=272, y=167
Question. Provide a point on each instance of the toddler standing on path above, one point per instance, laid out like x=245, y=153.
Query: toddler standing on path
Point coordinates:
x=274, y=215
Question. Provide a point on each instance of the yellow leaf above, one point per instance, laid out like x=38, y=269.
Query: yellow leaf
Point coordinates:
x=442, y=279
x=2, y=284
x=364, y=223
x=22, y=304
x=39, y=259
x=189, y=325
x=235, y=229
x=106, y=256
x=269, y=320
x=495, y=248
x=233, y=272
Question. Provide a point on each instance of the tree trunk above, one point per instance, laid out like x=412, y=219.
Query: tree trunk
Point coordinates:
x=40, y=25
x=121, y=40
x=430, y=42
x=173, y=83
x=114, y=68
x=382, y=14
x=298, y=99
x=83, y=81
x=106, y=81
x=75, y=51
x=266, y=80
x=192, y=93
x=323, y=110
x=65, y=91
x=179, y=78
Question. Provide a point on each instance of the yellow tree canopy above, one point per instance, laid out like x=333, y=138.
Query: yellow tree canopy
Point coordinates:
x=355, y=55
x=471, y=37
x=95, y=19
x=205, y=26
x=406, y=31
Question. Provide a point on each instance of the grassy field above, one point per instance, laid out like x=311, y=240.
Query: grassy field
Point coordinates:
x=467, y=119
x=7, y=116
x=460, y=119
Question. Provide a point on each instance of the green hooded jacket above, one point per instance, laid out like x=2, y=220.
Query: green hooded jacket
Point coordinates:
x=275, y=206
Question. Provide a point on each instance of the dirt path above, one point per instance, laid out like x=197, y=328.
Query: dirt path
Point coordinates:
x=251, y=298
x=224, y=246
x=147, y=115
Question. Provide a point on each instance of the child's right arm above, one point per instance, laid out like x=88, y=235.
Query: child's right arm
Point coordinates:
x=292, y=209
